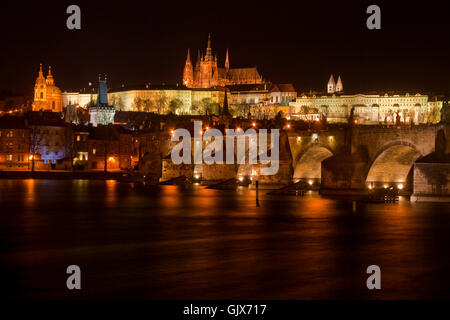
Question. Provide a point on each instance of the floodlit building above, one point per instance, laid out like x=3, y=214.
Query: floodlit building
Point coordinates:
x=207, y=73
x=47, y=96
x=14, y=143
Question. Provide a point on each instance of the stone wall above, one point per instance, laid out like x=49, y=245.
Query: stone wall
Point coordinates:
x=171, y=170
x=431, y=182
x=218, y=172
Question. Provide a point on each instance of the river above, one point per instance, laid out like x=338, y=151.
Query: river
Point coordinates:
x=197, y=243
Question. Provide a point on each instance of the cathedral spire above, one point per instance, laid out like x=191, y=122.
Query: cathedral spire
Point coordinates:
x=188, y=72
x=227, y=61
x=188, y=58
x=208, y=56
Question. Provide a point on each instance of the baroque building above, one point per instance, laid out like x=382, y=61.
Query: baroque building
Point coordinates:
x=207, y=73
x=47, y=96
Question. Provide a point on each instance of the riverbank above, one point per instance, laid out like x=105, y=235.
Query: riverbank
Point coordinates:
x=62, y=175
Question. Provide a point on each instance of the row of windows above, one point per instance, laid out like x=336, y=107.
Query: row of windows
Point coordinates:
x=10, y=134
x=20, y=158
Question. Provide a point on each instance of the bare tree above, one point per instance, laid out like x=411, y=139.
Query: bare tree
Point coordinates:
x=35, y=141
x=161, y=102
x=174, y=105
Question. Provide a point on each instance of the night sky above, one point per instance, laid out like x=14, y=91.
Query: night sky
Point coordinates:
x=299, y=42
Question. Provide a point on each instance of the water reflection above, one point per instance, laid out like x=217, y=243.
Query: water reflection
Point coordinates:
x=192, y=242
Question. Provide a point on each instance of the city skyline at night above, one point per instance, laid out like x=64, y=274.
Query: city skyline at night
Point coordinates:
x=224, y=159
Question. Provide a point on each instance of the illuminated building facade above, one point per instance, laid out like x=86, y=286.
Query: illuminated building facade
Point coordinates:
x=47, y=96
x=14, y=144
x=207, y=74
x=48, y=136
x=369, y=108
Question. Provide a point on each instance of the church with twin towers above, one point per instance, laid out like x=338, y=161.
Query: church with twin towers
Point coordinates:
x=207, y=73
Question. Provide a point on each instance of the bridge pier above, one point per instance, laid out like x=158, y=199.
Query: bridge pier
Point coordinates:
x=344, y=174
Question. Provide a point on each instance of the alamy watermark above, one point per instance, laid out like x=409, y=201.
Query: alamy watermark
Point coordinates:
x=374, y=20
x=214, y=150
x=73, y=22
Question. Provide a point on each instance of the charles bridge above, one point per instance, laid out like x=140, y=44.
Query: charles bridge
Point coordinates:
x=340, y=158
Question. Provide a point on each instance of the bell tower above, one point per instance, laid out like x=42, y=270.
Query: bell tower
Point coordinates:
x=331, y=87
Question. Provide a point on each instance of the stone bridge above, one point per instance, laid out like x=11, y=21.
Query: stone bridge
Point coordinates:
x=370, y=155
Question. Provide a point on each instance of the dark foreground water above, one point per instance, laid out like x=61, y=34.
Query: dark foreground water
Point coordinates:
x=195, y=243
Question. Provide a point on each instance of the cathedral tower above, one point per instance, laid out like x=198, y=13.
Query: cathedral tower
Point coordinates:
x=188, y=72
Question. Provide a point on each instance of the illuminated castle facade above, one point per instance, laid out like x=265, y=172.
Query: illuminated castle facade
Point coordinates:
x=47, y=96
x=207, y=74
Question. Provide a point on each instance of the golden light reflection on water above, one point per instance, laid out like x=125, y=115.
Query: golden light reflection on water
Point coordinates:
x=111, y=196
x=30, y=192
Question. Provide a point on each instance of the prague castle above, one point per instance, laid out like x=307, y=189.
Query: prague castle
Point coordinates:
x=47, y=96
x=368, y=108
x=207, y=74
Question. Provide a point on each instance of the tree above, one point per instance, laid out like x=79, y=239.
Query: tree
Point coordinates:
x=206, y=106
x=35, y=141
x=434, y=115
x=174, y=105
x=148, y=105
x=195, y=108
x=215, y=108
x=137, y=104
x=161, y=102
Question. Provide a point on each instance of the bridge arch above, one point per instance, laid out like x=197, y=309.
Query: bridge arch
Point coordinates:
x=392, y=164
x=308, y=162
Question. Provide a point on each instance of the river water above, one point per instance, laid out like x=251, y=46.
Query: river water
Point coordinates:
x=196, y=243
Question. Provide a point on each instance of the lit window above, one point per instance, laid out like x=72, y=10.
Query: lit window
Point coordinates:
x=78, y=138
x=9, y=157
x=94, y=151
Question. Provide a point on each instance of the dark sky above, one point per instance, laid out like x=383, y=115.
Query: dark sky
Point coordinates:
x=300, y=42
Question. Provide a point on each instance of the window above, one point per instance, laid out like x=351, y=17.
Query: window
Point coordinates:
x=94, y=151
x=53, y=104
x=42, y=95
x=9, y=157
x=78, y=138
